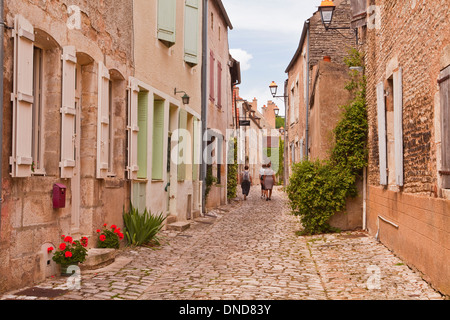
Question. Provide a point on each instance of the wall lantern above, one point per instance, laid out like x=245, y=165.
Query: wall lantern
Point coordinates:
x=326, y=9
x=277, y=111
x=273, y=88
x=185, y=98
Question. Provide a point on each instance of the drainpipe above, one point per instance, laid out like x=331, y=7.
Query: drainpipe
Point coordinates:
x=2, y=30
x=204, y=98
x=307, y=92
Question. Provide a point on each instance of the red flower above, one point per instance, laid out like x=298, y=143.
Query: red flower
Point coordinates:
x=104, y=225
x=68, y=254
x=98, y=231
x=63, y=236
x=68, y=239
x=50, y=249
x=84, y=241
x=102, y=237
x=113, y=226
x=62, y=246
x=120, y=235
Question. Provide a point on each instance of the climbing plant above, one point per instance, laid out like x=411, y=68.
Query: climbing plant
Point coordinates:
x=319, y=189
x=232, y=176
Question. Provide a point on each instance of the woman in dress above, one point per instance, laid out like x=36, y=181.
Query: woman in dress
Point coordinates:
x=269, y=181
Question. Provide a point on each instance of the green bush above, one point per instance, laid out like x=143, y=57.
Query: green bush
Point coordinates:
x=317, y=190
x=232, y=176
x=142, y=228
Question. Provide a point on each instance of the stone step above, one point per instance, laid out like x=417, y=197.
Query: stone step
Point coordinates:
x=179, y=226
x=98, y=258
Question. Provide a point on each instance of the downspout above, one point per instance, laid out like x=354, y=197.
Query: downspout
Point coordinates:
x=307, y=93
x=2, y=35
x=285, y=149
x=204, y=113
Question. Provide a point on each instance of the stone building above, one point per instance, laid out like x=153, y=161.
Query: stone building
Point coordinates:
x=66, y=74
x=219, y=116
x=407, y=64
x=316, y=43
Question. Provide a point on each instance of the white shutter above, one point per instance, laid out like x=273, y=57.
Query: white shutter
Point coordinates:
x=22, y=98
x=103, y=122
x=398, y=126
x=382, y=133
x=133, y=130
x=68, y=112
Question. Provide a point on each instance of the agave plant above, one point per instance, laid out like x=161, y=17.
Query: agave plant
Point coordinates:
x=142, y=228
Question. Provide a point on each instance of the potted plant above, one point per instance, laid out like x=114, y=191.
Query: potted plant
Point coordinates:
x=109, y=237
x=70, y=253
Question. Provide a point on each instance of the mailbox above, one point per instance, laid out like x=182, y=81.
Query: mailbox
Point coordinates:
x=59, y=196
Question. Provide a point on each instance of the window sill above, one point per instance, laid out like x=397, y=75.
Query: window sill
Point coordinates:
x=39, y=173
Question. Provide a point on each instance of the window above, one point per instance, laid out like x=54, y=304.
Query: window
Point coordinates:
x=167, y=21
x=37, y=153
x=219, y=84
x=444, y=89
x=211, y=77
x=158, y=140
x=142, y=141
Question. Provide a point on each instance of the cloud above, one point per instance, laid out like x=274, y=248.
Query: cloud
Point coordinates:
x=243, y=57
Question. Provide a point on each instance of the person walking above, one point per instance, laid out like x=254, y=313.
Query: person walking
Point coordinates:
x=246, y=181
x=269, y=181
x=261, y=180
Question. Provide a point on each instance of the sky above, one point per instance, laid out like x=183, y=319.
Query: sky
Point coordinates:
x=264, y=39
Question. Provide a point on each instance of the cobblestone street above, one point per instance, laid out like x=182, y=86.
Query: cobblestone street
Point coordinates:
x=249, y=250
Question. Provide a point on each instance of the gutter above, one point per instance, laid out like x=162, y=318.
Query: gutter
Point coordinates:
x=204, y=112
x=307, y=90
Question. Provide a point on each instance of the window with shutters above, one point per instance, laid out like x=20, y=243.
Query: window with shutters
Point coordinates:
x=219, y=84
x=211, y=77
x=142, y=138
x=444, y=90
x=158, y=140
x=167, y=21
x=191, y=32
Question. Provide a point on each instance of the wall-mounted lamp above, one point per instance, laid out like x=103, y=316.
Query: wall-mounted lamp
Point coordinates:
x=326, y=9
x=185, y=97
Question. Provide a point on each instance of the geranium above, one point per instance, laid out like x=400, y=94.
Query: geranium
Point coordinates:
x=50, y=249
x=109, y=237
x=70, y=251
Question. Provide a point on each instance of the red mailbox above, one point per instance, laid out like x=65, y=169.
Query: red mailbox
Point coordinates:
x=59, y=196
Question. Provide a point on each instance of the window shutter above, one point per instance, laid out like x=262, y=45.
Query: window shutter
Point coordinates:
x=191, y=31
x=68, y=112
x=158, y=140
x=133, y=130
x=103, y=122
x=166, y=21
x=182, y=151
x=211, y=76
x=219, y=84
x=143, y=134
x=22, y=98
x=196, y=147
x=398, y=126
x=444, y=89
x=381, y=113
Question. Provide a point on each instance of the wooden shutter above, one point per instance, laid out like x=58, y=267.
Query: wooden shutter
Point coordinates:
x=103, y=122
x=182, y=150
x=398, y=126
x=191, y=31
x=219, y=84
x=143, y=134
x=158, y=140
x=68, y=112
x=444, y=88
x=133, y=130
x=22, y=98
x=211, y=76
x=166, y=21
x=382, y=147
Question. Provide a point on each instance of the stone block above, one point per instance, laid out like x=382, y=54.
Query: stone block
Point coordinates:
x=98, y=258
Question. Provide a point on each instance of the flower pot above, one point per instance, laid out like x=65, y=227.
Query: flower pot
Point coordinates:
x=68, y=270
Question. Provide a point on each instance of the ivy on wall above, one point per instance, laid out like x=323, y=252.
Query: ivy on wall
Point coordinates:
x=319, y=189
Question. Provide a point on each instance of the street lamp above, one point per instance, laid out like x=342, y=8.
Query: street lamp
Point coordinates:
x=326, y=9
x=273, y=88
x=185, y=98
x=277, y=111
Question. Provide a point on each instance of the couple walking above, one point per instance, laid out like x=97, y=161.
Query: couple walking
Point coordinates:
x=267, y=179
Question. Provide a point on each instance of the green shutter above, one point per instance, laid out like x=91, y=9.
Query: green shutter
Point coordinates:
x=158, y=140
x=182, y=156
x=142, y=134
x=191, y=31
x=196, y=149
x=166, y=21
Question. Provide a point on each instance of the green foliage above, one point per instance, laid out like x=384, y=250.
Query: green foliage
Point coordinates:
x=232, y=176
x=142, y=228
x=109, y=238
x=71, y=252
x=279, y=122
x=280, y=172
x=210, y=180
x=317, y=190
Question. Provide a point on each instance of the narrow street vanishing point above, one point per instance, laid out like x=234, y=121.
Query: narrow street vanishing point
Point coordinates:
x=248, y=250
